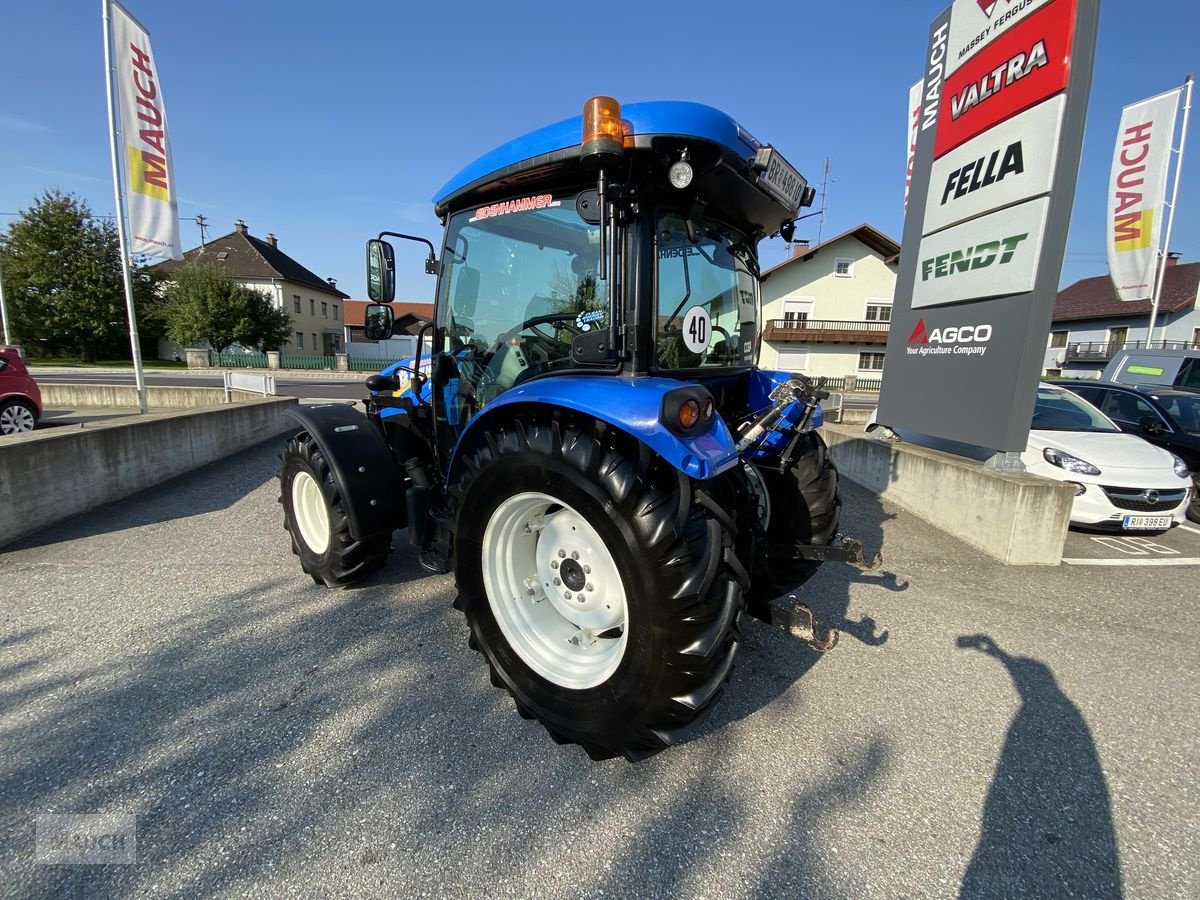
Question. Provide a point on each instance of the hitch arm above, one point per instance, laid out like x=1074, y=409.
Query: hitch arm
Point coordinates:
x=850, y=552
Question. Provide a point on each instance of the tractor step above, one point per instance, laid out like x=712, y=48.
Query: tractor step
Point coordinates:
x=797, y=619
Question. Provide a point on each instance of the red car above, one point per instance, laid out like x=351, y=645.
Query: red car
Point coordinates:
x=20, y=399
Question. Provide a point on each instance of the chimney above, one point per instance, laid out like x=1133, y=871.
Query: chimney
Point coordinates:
x=240, y=227
x=332, y=282
x=1173, y=259
x=272, y=240
x=799, y=247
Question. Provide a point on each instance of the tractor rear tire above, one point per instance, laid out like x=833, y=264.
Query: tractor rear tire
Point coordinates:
x=601, y=589
x=315, y=518
x=806, y=509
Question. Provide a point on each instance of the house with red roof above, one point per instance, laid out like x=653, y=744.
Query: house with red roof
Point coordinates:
x=314, y=303
x=1090, y=324
x=827, y=309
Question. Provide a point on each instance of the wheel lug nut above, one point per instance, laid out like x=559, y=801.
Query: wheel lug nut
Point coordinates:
x=590, y=587
x=581, y=600
x=587, y=570
x=557, y=582
x=574, y=554
x=567, y=595
x=554, y=563
x=562, y=554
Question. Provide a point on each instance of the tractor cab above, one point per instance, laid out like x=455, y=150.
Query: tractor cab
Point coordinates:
x=590, y=447
x=620, y=242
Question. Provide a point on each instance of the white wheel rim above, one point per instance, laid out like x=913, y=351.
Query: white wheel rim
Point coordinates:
x=554, y=588
x=15, y=418
x=312, y=517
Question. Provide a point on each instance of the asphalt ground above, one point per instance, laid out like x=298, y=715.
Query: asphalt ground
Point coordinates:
x=165, y=657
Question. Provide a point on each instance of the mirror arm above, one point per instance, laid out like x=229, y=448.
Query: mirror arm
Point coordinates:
x=418, y=378
x=432, y=266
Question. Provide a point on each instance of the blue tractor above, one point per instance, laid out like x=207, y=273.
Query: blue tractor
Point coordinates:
x=588, y=445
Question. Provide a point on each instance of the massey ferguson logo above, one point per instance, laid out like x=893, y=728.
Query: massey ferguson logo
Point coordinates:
x=987, y=6
x=957, y=340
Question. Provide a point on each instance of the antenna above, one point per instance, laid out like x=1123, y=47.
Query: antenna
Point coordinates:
x=825, y=180
x=202, y=221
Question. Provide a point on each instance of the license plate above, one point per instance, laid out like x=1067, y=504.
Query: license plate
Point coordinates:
x=1134, y=523
x=780, y=179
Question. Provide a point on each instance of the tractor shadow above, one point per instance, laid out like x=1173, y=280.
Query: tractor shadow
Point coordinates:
x=771, y=662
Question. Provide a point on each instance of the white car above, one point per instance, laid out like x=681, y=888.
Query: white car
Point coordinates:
x=1122, y=482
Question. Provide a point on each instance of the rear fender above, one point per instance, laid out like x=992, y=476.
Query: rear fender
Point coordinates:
x=630, y=404
x=371, y=485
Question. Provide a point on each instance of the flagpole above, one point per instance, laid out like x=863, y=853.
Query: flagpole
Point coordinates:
x=119, y=195
x=1166, y=251
x=4, y=311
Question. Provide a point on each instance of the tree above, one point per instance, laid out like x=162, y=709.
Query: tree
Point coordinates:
x=203, y=306
x=63, y=283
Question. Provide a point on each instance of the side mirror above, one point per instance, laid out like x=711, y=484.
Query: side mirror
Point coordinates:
x=466, y=291
x=381, y=272
x=378, y=321
x=1151, y=426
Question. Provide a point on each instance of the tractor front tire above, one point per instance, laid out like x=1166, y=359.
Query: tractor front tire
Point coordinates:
x=805, y=510
x=596, y=582
x=315, y=518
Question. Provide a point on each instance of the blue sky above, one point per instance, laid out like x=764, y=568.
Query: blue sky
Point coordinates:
x=325, y=123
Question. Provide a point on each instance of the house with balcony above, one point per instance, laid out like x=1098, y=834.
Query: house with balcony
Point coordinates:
x=827, y=309
x=1090, y=324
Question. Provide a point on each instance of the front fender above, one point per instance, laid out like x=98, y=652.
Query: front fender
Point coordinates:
x=368, y=480
x=630, y=404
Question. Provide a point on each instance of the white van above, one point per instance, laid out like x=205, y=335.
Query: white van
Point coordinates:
x=1168, y=368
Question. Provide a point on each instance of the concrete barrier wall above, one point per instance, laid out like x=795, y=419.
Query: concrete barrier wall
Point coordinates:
x=52, y=474
x=1018, y=519
x=111, y=396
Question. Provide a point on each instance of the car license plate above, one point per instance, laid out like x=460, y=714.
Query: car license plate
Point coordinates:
x=1134, y=523
x=781, y=179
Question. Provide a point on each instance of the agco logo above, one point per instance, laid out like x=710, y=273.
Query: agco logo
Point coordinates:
x=958, y=340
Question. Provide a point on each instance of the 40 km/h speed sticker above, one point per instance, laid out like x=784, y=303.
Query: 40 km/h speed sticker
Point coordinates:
x=697, y=329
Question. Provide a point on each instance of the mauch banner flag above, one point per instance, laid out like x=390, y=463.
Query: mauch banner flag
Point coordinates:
x=916, y=94
x=1137, y=192
x=149, y=177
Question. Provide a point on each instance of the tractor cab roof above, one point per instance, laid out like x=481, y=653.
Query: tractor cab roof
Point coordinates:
x=550, y=154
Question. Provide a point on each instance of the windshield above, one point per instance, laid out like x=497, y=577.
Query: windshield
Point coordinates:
x=1057, y=410
x=707, y=306
x=520, y=281
x=1184, y=410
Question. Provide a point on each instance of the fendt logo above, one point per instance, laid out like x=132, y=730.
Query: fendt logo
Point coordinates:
x=959, y=340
